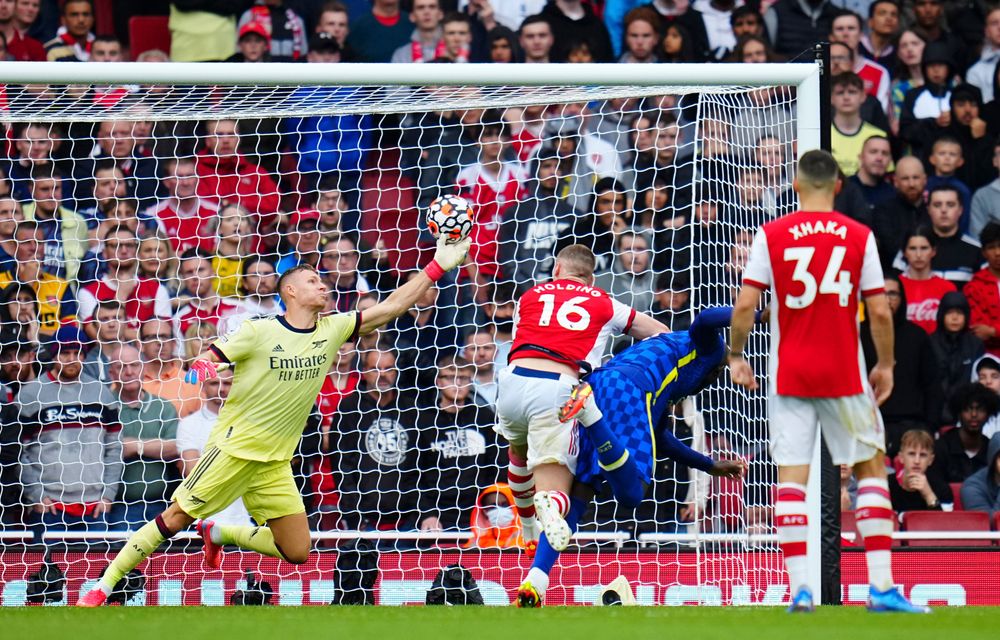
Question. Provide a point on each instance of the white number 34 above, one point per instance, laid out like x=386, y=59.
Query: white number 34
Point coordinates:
x=835, y=281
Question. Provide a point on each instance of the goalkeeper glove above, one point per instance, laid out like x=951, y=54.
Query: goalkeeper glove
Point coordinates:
x=201, y=370
x=447, y=257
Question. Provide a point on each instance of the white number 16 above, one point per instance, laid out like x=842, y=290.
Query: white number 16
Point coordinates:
x=571, y=306
x=835, y=280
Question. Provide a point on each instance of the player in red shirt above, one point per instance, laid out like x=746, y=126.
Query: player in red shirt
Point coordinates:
x=923, y=289
x=561, y=327
x=818, y=264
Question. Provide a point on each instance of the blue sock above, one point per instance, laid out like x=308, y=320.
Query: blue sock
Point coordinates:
x=545, y=555
x=617, y=465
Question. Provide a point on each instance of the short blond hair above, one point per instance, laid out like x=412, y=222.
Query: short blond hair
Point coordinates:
x=577, y=260
x=917, y=439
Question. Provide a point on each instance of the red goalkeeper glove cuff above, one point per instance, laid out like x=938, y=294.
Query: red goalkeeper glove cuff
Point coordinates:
x=200, y=370
x=434, y=271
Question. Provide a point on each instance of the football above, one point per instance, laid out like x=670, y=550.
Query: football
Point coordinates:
x=450, y=216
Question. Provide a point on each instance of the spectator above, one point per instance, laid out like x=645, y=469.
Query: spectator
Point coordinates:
x=259, y=287
x=36, y=144
x=339, y=269
x=227, y=175
x=873, y=169
x=334, y=20
x=986, y=371
x=117, y=142
x=630, y=280
x=460, y=452
x=986, y=200
x=73, y=39
x=572, y=19
x=156, y=261
x=848, y=130
x=961, y=451
x=599, y=230
x=955, y=346
x=717, y=18
x=203, y=302
x=917, y=485
x=374, y=452
x=753, y=49
x=958, y=255
x=795, y=26
x=847, y=29
x=498, y=312
x=908, y=73
x=893, y=219
x=285, y=28
x=18, y=356
x=982, y=72
x=341, y=381
x=507, y=14
x=929, y=21
x=983, y=291
x=233, y=241
x=162, y=370
x=143, y=298
x=530, y=228
x=65, y=231
x=655, y=143
x=193, y=434
x=642, y=35
x=883, y=28
x=184, y=215
x=584, y=156
x=494, y=522
x=924, y=290
x=72, y=456
x=10, y=217
x=481, y=351
x=426, y=43
x=336, y=214
x=492, y=185
x=946, y=158
x=422, y=335
x=930, y=100
x=677, y=45
x=20, y=46
x=55, y=302
x=253, y=43
x=671, y=304
x=375, y=36
x=149, y=428
x=503, y=46
x=981, y=490
x=745, y=22
x=109, y=328
x=457, y=37
x=19, y=310
x=916, y=400
x=109, y=189
x=536, y=39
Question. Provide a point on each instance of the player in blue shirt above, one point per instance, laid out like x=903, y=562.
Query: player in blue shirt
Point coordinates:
x=623, y=407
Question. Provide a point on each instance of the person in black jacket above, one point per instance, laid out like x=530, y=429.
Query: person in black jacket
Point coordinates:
x=973, y=404
x=928, y=104
x=373, y=452
x=916, y=397
x=599, y=230
x=917, y=485
x=893, y=219
x=460, y=454
x=573, y=20
x=955, y=347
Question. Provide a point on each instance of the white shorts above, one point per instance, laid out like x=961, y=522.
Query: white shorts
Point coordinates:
x=851, y=425
x=528, y=404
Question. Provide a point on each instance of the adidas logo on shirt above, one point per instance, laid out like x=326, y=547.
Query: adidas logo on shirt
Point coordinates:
x=277, y=349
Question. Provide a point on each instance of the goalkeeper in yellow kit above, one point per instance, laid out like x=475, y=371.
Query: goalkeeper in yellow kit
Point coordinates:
x=279, y=366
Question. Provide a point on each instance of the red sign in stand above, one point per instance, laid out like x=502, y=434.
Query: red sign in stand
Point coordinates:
x=932, y=577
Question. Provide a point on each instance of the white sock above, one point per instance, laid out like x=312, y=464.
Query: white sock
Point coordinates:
x=538, y=579
x=590, y=413
x=216, y=534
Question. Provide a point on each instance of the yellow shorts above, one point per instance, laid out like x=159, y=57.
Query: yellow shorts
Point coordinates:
x=267, y=488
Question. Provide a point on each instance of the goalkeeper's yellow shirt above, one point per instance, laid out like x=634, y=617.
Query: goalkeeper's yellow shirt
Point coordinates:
x=277, y=374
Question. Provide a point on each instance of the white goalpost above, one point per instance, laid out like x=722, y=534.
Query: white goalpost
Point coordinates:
x=334, y=165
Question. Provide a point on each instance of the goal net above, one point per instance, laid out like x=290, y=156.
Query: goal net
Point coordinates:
x=147, y=209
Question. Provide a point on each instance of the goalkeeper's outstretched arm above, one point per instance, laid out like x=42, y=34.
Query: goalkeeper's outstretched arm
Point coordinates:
x=446, y=258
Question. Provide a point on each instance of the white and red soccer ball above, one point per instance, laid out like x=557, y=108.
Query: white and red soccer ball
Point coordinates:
x=450, y=216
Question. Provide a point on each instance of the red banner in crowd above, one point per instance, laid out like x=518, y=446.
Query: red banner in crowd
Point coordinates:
x=928, y=577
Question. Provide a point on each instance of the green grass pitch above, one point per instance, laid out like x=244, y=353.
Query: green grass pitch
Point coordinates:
x=484, y=623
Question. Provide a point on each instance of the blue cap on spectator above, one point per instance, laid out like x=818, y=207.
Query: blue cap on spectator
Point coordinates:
x=69, y=337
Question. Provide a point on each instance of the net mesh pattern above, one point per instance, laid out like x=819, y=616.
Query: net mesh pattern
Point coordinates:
x=162, y=215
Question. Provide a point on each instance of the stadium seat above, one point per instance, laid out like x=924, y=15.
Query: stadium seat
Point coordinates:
x=104, y=16
x=996, y=521
x=849, y=524
x=148, y=32
x=947, y=521
x=956, y=490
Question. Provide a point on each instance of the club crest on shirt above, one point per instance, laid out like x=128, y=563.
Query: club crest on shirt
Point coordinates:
x=318, y=343
x=387, y=442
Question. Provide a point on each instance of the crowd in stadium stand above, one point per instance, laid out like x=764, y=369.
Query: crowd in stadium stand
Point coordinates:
x=127, y=246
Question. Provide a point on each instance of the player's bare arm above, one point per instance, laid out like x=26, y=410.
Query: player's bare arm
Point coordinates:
x=644, y=326
x=743, y=318
x=447, y=257
x=880, y=318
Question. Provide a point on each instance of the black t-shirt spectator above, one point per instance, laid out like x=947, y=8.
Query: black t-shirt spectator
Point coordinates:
x=951, y=459
x=903, y=500
x=589, y=29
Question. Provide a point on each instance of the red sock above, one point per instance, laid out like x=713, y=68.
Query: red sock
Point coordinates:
x=522, y=485
x=792, y=525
